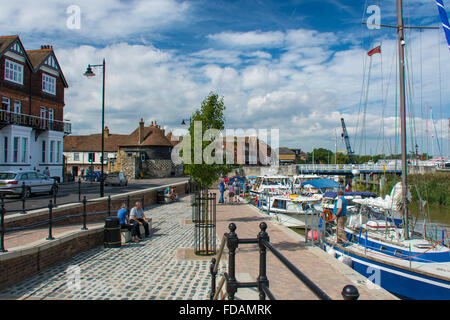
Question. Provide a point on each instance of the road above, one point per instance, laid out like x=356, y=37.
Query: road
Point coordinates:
x=69, y=193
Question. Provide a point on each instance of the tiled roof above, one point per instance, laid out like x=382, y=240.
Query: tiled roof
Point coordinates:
x=153, y=136
x=38, y=56
x=6, y=41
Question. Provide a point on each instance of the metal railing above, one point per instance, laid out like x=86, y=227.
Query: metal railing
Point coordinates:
x=232, y=241
x=111, y=205
x=20, y=119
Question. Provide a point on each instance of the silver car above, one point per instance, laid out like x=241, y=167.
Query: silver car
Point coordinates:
x=116, y=179
x=26, y=183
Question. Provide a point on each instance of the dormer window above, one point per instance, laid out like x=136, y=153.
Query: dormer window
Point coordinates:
x=13, y=72
x=48, y=84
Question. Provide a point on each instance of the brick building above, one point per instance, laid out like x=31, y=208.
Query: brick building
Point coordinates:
x=32, y=126
x=144, y=153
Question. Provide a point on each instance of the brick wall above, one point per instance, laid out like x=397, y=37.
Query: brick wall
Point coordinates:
x=19, y=265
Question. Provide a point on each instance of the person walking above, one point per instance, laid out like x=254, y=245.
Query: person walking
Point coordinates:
x=46, y=172
x=221, y=190
x=231, y=193
x=137, y=216
x=340, y=212
x=125, y=222
x=237, y=189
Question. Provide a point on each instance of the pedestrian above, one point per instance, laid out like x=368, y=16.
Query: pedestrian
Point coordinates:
x=46, y=172
x=237, y=189
x=125, y=223
x=137, y=216
x=340, y=212
x=231, y=193
x=221, y=190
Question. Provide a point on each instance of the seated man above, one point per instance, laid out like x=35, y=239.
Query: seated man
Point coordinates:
x=124, y=223
x=169, y=193
x=138, y=217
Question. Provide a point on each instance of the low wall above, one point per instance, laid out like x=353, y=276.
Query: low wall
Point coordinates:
x=99, y=205
x=24, y=262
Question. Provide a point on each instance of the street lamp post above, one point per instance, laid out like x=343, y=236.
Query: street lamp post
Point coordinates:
x=89, y=73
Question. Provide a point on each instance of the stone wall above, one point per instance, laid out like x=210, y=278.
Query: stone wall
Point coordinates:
x=157, y=168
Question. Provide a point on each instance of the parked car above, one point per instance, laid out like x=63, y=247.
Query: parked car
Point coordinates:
x=32, y=181
x=116, y=179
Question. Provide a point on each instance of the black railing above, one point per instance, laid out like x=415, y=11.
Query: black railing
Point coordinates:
x=83, y=214
x=349, y=292
x=20, y=119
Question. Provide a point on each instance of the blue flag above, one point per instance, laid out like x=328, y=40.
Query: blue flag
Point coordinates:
x=444, y=18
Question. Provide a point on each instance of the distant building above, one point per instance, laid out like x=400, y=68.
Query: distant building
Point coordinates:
x=32, y=126
x=144, y=153
x=286, y=155
x=248, y=151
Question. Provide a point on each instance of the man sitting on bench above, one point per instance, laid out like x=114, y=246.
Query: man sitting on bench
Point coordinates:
x=125, y=223
x=137, y=217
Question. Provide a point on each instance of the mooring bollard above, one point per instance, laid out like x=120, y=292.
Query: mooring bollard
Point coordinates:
x=50, y=220
x=84, y=213
x=2, y=225
x=350, y=292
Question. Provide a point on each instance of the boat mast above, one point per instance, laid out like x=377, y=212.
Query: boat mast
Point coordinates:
x=401, y=56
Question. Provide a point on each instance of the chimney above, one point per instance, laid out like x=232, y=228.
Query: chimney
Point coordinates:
x=106, y=132
x=141, y=131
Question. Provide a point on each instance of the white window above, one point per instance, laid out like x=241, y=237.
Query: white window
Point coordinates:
x=5, y=153
x=43, y=151
x=13, y=72
x=16, y=150
x=6, y=104
x=17, y=107
x=24, y=150
x=58, y=151
x=51, y=117
x=52, y=151
x=76, y=156
x=48, y=84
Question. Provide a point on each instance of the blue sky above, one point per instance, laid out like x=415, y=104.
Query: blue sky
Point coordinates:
x=293, y=65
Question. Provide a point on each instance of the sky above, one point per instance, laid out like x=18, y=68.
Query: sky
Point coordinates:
x=297, y=65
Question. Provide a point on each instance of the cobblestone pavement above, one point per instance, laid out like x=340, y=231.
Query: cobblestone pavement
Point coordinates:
x=149, y=270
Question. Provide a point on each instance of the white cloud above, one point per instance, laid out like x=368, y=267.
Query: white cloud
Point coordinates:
x=250, y=39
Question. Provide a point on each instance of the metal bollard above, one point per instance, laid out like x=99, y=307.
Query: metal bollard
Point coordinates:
x=350, y=292
x=2, y=230
x=84, y=213
x=50, y=220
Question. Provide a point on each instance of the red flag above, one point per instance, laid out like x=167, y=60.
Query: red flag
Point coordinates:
x=374, y=50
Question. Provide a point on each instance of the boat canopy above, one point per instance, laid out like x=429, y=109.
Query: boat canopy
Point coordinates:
x=322, y=183
x=333, y=194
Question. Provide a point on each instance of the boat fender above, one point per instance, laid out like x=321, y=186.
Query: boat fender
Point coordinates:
x=346, y=260
x=331, y=252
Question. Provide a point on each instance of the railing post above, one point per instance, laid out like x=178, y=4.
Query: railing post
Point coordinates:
x=54, y=192
x=84, y=213
x=50, y=220
x=213, y=278
x=2, y=233
x=128, y=203
x=23, y=198
x=262, y=278
x=79, y=189
x=232, y=244
x=109, y=205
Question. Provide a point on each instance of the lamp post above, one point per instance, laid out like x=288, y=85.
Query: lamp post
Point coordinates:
x=89, y=73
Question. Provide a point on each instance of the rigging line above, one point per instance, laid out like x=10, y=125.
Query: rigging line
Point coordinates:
x=440, y=87
x=421, y=90
x=363, y=126
x=410, y=97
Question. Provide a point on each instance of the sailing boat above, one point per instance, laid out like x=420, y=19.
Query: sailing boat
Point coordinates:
x=382, y=247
